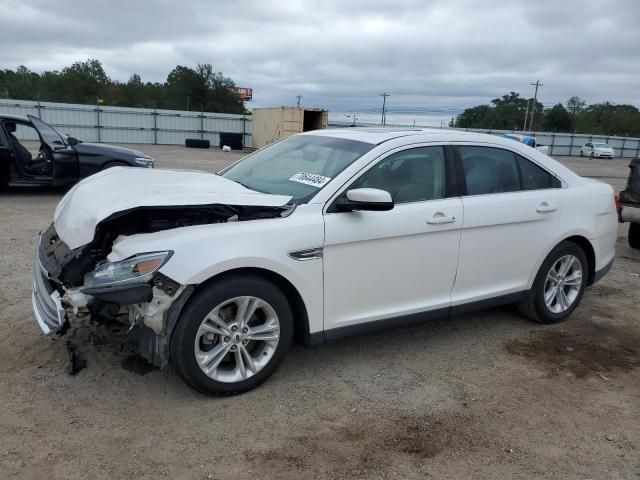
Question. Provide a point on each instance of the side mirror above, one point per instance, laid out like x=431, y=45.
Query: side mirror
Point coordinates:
x=365, y=199
x=72, y=141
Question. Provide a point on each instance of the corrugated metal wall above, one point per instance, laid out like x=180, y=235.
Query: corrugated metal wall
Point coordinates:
x=93, y=123
x=560, y=144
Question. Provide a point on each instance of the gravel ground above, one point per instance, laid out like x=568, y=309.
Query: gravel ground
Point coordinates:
x=484, y=395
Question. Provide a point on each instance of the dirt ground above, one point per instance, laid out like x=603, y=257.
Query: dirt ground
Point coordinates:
x=484, y=395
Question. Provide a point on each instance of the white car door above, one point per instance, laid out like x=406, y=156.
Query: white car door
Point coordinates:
x=511, y=210
x=381, y=265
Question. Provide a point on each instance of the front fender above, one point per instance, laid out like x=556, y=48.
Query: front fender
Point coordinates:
x=205, y=251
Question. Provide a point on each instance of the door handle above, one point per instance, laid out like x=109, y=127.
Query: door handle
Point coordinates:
x=545, y=207
x=440, y=218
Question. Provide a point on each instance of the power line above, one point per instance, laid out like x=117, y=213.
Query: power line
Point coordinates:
x=384, y=104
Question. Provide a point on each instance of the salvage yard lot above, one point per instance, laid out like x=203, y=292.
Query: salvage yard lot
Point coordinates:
x=484, y=395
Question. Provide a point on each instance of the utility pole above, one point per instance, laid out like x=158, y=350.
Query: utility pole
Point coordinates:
x=526, y=114
x=298, y=97
x=384, y=104
x=354, y=117
x=535, y=98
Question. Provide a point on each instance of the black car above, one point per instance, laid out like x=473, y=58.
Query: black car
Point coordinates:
x=59, y=159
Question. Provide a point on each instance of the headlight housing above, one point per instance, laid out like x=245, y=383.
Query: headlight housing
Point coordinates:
x=146, y=162
x=134, y=270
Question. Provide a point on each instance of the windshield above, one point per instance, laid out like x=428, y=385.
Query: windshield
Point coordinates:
x=601, y=145
x=298, y=166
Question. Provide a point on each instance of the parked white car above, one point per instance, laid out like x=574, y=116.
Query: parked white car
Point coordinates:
x=598, y=150
x=324, y=234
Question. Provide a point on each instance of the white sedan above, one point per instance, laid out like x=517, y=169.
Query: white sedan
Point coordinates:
x=597, y=150
x=322, y=235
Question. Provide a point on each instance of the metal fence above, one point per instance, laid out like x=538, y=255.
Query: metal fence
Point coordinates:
x=560, y=144
x=97, y=123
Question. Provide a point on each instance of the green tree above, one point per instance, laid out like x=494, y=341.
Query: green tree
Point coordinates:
x=474, y=117
x=576, y=105
x=23, y=83
x=504, y=113
x=84, y=82
x=557, y=119
x=87, y=81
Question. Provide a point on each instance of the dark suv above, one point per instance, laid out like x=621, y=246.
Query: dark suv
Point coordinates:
x=629, y=208
x=52, y=158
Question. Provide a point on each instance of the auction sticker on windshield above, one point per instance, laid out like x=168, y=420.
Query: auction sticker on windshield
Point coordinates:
x=312, y=179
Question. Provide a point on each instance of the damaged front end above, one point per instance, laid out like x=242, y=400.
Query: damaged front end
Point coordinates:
x=75, y=283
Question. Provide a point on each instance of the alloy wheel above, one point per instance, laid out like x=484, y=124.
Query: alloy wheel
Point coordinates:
x=563, y=283
x=237, y=339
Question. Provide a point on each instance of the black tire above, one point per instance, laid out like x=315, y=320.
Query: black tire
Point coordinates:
x=182, y=347
x=197, y=143
x=634, y=235
x=533, y=305
x=114, y=164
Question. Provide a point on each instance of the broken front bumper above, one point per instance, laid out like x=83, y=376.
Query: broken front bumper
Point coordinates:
x=45, y=299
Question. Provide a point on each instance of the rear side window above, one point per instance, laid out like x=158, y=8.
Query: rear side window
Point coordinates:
x=489, y=170
x=534, y=177
x=493, y=170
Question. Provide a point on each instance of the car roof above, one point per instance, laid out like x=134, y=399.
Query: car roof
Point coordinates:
x=17, y=118
x=378, y=135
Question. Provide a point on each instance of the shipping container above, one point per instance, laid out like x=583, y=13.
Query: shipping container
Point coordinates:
x=272, y=124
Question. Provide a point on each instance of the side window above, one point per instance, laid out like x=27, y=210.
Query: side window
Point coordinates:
x=412, y=175
x=23, y=139
x=534, y=177
x=489, y=170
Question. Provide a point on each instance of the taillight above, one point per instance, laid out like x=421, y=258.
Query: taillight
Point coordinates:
x=618, y=209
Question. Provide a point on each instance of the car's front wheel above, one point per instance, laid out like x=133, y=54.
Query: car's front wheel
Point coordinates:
x=232, y=335
x=558, y=286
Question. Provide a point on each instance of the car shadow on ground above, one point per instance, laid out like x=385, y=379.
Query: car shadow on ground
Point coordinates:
x=485, y=330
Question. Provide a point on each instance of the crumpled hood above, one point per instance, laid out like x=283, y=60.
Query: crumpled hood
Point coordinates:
x=122, y=188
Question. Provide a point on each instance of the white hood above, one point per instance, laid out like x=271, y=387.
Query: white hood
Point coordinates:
x=122, y=188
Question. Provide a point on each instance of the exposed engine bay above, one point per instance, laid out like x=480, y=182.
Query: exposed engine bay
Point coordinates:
x=142, y=303
x=70, y=266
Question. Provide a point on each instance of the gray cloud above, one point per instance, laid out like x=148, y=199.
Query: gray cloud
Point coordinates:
x=341, y=54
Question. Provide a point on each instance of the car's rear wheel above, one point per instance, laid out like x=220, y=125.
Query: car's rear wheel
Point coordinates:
x=634, y=235
x=232, y=335
x=559, y=285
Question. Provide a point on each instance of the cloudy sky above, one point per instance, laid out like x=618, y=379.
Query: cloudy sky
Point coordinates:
x=429, y=54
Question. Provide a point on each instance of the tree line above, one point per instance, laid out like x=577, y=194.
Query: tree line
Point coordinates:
x=508, y=113
x=86, y=82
